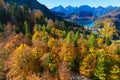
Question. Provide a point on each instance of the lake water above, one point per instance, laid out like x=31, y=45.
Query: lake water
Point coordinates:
x=89, y=24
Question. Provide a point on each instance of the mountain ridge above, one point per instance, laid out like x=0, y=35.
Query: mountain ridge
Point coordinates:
x=34, y=4
x=98, y=11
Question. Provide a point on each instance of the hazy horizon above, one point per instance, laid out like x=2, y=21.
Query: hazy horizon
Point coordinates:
x=77, y=3
x=85, y=5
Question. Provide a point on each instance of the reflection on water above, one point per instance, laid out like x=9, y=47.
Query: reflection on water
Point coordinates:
x=87, y=23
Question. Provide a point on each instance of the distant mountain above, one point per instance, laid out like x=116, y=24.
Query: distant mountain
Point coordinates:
x=114, y=13
x=109, y=8
x=71, y=9
x=97, y=11
x=34, y=4
x=85, y=8
x=59, y=9
x=66, y=10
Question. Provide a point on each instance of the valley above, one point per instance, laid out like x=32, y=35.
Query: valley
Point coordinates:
x=84, y=14
x=62, y=43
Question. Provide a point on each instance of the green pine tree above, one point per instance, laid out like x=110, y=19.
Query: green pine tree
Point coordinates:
x=27, y=30
x=92, y=42
x=77, y=36
x=69, y=37
x=107, y=41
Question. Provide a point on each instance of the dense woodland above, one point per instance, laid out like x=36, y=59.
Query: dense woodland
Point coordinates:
x=34, y=47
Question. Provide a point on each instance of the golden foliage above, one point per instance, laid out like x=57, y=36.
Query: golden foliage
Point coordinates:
x=115, y=72
x=88, y=65
x=22, y=63
x=33, y=77
x=37, y=14
x=51, y=56
x=82, y=49
x=68, y=53
x=112, y=48
x=109, y=29
x=39, y=36
x=51, y=42
x=100, y=42
x=16, y=40
x=40, y=48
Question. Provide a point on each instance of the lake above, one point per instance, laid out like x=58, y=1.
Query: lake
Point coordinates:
x=89, y=24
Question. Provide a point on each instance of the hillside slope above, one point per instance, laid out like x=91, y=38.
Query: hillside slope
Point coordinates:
x=34, y=4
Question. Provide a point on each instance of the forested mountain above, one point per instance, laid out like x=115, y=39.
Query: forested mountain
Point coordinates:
x=34, y=4
x=113, y=19
x=32, y=10
x=36, y=45
x=113, y=15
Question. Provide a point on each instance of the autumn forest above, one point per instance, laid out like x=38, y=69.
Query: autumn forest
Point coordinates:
x=37, y=46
